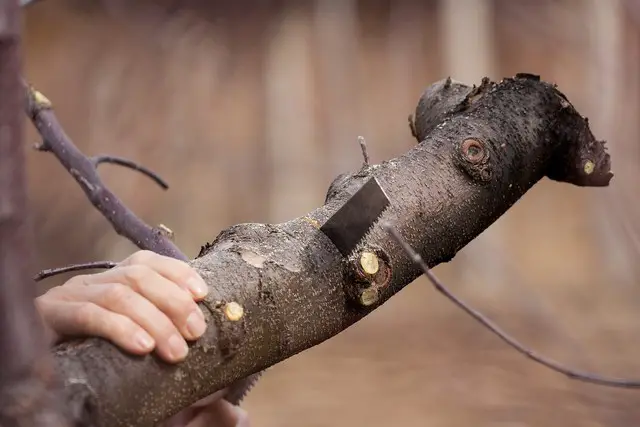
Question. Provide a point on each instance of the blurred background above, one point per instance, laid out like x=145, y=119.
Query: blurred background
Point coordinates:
x=250, y=108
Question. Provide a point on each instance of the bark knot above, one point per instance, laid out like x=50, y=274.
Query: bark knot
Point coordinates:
x=473, y=157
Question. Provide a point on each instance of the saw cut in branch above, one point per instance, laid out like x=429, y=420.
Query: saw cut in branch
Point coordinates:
x=512, y=342
x=278, y=289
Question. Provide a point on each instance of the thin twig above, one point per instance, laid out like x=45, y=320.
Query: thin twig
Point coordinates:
x=50, y=272
x=97, y=160
x=83, y=169
x=549, y=363
x=363, y=147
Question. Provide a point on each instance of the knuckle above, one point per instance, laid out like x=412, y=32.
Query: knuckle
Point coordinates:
x=141, y=257
x=165, y=330
x=114, y=294
x=121, y=328
x=84, y=314
x=182, y=305
x=183, y=273
x=136, y=274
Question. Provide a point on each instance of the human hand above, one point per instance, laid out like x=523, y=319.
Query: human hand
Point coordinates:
x=145, y=303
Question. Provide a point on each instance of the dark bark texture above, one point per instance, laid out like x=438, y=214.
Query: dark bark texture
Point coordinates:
x=480, y=149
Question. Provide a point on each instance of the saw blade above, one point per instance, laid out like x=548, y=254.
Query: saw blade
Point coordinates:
x=352, y=221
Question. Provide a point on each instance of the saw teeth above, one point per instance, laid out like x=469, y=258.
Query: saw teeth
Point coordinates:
x=239, y=390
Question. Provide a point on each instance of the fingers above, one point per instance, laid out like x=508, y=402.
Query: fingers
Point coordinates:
x=81, y=318
x=173, y=301
x=167, y=312
x=172, y=269
x=145, y=302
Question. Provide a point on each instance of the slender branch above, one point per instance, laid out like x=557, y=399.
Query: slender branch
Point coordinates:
x=521, y=348
x=363, y=147
x=44, y=274
x=83, y=170
x=98, y=160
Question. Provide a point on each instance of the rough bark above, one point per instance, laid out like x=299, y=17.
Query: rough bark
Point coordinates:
x=480, y=149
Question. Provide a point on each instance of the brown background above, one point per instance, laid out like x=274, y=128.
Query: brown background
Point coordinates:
x=250, y=108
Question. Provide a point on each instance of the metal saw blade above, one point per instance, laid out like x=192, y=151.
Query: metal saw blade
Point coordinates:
x=352, y=221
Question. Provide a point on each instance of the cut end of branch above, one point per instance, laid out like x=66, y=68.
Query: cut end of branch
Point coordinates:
x=41, y=100
x=583, y=160
x=363, y=147
x=35, y=101
x=166, y=231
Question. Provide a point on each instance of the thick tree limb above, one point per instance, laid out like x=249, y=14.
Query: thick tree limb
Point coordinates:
x=278, y=289
x=27, y=380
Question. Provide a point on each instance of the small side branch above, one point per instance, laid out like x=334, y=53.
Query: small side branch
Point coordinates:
x=84, y=171
x=98, y=160
x=363, y=147
x=103, y=265
x=521, y=348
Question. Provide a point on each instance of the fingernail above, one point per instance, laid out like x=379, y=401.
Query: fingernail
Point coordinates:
x=196, y=324
x=177, y=347
x=197, y=287
x=144, y=341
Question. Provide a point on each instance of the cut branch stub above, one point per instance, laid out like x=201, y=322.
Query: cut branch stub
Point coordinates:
x=474, y=158
x=290, y=278
x=367, y=271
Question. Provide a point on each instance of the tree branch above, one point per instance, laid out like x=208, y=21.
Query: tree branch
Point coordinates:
x=278, y=289
x=98, y=160
x=512, y=342
x=84, y=170
x=27, y=380
x=44, y=274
